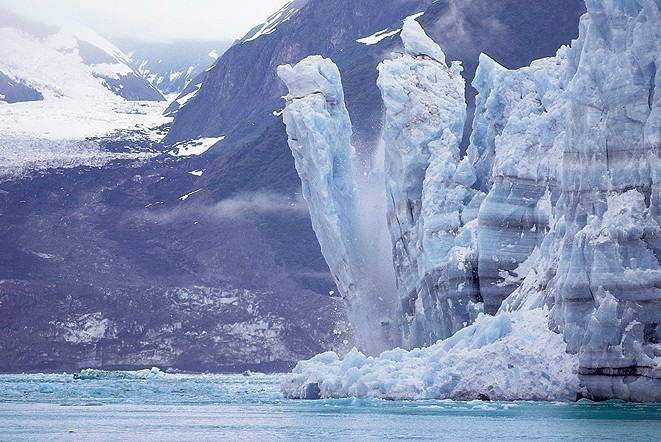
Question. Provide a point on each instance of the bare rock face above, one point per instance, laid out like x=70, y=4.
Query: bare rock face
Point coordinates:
x=108, y=264
x=72, y=327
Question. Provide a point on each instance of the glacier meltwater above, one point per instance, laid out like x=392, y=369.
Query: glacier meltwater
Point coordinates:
x=526, y=267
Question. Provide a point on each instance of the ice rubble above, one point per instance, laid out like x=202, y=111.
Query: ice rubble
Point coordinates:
x=511, y=356
x=20, y=155
x=555, y=206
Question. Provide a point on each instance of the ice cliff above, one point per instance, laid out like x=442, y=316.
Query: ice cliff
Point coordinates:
x=550, y=222
x=607, y=287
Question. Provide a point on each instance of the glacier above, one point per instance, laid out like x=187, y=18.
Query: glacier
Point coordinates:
x=607, y=288
x=528, y=266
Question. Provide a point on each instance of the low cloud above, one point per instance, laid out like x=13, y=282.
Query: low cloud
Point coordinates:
x=154, y=20
x=234, y=208
x=256, y=203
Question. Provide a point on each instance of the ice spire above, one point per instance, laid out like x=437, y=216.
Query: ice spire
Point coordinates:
x=428, y=188
x=319, y=131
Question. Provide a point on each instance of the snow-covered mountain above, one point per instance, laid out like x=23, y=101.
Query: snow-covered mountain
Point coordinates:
x=60, y=85
x=65, y=82
x=68, y=61
x=549, y=222
x=274, y=20
x=170, y=66
x=242, y=99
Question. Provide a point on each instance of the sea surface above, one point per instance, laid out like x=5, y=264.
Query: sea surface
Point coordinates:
x=152, y=405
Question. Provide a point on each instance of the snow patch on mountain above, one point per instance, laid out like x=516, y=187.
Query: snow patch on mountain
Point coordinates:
x=189, y=194
x=276, y=19
x=181, y=101
x=194, y=147
x=377, y=37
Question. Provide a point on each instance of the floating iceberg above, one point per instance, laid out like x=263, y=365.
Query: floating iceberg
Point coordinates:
x=93, y=374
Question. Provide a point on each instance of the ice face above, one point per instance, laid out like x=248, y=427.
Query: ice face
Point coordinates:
x=428, y=188
x=519, y=117
x=606, y=290
x=598, y=262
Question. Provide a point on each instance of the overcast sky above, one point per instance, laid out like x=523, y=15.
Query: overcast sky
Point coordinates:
x=155, y=20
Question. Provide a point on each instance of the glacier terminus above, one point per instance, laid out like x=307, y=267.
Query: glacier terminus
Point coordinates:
x=526, y=261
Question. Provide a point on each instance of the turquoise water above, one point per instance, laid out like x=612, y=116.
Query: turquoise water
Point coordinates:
x=155, y=406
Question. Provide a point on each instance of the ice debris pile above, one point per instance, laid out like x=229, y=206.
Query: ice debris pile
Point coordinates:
x=511, y=356
x=550, y=222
